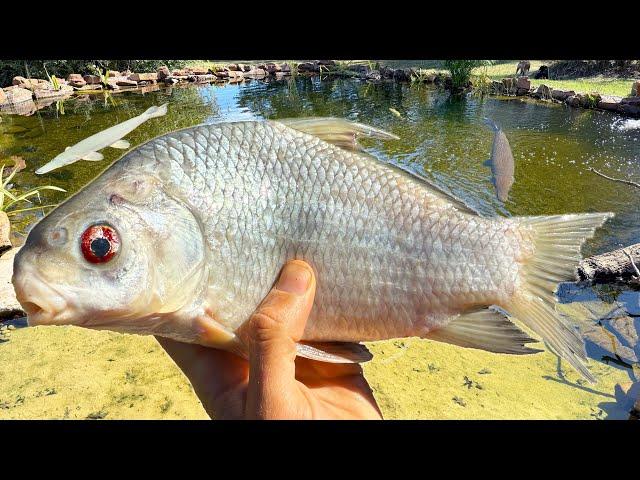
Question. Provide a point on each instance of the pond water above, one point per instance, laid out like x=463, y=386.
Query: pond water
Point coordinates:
x=441, y=137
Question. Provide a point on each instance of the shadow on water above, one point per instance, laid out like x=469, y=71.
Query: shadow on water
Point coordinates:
x=441, y=137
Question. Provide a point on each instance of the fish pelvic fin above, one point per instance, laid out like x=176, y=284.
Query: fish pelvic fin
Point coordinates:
x=93, y=157
x=556, y=242
x=153, y=112
x=337, y=131
x=487, y=329
x=334, y=352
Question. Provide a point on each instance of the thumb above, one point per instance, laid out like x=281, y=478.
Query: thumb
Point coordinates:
x=271, y=334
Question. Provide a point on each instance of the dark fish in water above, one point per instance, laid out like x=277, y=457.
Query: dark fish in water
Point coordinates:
x=184, y=236
x=501, y=162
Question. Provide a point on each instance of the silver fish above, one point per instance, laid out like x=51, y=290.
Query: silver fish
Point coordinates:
x=501, y=162
x=87, y=149
x=184, y=235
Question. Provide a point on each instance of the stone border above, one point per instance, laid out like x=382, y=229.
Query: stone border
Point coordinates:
x=26, y=96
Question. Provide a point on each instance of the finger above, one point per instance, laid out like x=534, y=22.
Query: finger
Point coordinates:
x=217, y=377
x=271, y=333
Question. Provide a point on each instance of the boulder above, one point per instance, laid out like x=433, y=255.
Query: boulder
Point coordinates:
x=561, y=94
x=573, y=100
x=9, y=305
x=256, y=73
x=635, y=89
x=325, y=62
x=630, y=106
x=497, y=87
x=523, y=83
x=5, y=232
x=199, y=71
x=386, y=72
x=402, y=75
x=113, y=73
x=589, y=100
x=543, y=91
x=17, y=94
x=221, y=73
x=234, y=67
x=308, y=67
x=285, y=68
x=76, y=80
x=63, y=91
x=144, y=77
x=609, y=102
x=272, y=68
x=31, y=83
x=163, y=72
x=92, y=79
x=125, y=82
x=374, y=75
x=3, y=97
x=509, y=84
x=235, y=74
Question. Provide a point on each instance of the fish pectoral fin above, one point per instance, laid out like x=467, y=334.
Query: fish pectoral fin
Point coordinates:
x=122, y=144
x=93, y=156
x=337, y=131
x=487, y=162
x=486, y=329
x=334, y=352
x=67, y=149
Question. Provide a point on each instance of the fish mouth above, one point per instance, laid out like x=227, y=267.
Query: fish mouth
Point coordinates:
x=40, y=301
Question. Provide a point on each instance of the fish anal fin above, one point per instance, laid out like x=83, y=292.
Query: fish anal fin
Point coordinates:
x=334, y=352
x=121, y=144
x=93, y=157
x=486, y=329
x=337, y=131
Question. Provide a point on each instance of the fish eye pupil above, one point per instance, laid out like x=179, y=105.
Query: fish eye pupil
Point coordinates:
x=100, y=247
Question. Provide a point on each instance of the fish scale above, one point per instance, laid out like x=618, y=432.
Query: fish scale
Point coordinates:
x=209, y=214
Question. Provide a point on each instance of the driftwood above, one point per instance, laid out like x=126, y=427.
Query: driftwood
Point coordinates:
x=620, y=180
x=621, y=264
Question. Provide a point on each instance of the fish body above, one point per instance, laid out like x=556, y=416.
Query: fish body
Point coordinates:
x=206, y=217
x=501, y=163
x=87, y=149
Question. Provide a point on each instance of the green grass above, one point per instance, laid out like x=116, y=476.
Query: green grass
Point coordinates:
x=602, y=85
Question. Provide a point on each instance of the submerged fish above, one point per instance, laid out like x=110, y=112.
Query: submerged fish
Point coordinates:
x=184, y=236
x=501, y=162
x=87, y=149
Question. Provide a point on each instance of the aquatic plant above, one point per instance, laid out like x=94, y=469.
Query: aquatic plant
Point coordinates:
x=9, y=198
x=460, y=71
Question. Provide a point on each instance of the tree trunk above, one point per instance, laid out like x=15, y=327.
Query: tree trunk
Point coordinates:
x=610, y=266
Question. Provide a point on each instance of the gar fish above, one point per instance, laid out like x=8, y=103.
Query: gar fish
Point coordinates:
x=501, y=162
x=87, y=149
x=184, y=236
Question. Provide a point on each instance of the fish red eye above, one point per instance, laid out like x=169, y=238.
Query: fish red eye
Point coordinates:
x=99, y=243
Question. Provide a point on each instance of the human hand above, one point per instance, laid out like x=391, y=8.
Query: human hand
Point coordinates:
x=273, y=383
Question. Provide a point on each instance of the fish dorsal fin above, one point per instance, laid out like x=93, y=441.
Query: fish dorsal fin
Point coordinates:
x=334, y=352
x=337, y=131
x=486, y=329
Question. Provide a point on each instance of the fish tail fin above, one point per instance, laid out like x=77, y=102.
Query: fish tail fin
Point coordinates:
x=491, y=123
x=153, y=112
x=556, y=242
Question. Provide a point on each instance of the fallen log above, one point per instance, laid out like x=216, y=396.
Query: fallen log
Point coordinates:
x=617, y=265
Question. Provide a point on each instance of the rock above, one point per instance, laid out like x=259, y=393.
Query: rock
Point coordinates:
x=543, y=72
x=308, y=67
x=325, y=62
x=573, y=101
x=497, y=87
x=285, y=68
x=272, y=68
x=386, y=72
x=208, y=77
x=31, y=84
x=402, y=75
x=221, y=73
x=144, y=77
x=235, y=74
x=635, y=89
x=523, y=83
x=92, y=79
x=543, y=91
x=76, y=80
x=163, y=72
x=630, y=106
x=608, y=342
x=199, y=71
x=63, y=91
x=25, y=107
x=561, y=94
x=374, y=75
x=233, y=67
x=256, y=73
x=9, y=305
x=113, y=73
x=5, y=232
x=17, y=94
x=609, y=102
x=509, y=84
x=3, y=97
x=91, y=88
x=125, y=82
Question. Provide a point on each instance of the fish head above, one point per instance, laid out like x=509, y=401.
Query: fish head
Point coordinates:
x=120, y=252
